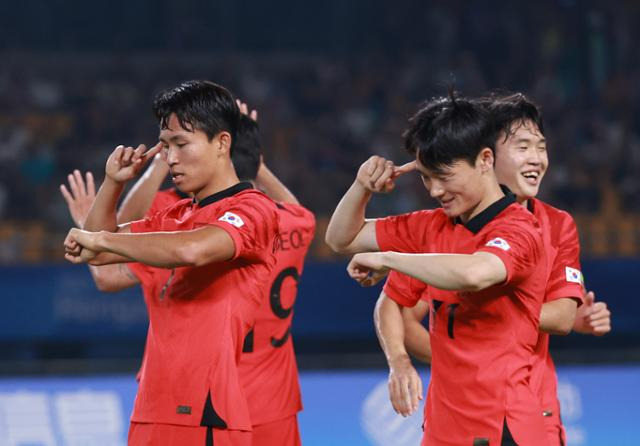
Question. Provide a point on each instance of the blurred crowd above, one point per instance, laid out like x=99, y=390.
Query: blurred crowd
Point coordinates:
x=323, y=112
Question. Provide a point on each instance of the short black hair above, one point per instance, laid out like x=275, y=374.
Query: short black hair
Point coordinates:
x=201, y=105
x=509, y=110
x=247, y=149
x=446, y=130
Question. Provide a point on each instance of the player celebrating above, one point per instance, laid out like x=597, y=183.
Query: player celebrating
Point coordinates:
x=485, y=263
x=268, y=369
x=202, y=264
x=521, y=162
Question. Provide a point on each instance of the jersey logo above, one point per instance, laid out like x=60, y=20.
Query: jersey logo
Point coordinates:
x=499, y=243
x=573, y=275
x=232, y=219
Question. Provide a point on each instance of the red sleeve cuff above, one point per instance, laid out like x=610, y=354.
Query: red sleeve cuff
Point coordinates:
x=571, y=291
x=502, y=255
x=233, y=233
x=396, y=295
x=380, y=236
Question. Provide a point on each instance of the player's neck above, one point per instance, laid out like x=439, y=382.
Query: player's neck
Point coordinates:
x=493, y=193
x=218, y=183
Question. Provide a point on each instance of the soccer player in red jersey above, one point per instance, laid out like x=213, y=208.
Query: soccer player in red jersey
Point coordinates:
x=484, y=266
x=521, y=162
x=212, y=255
x=268, y=369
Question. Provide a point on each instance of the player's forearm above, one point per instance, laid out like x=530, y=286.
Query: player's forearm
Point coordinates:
x=102, y=216
x=193, y=248
x=557, y=317
x=139, y=199
x=417, y=340
x=273, y=187
x=348, y=219
x=389, y=326
x=112, y=278
x=108, y=258
x=457, y=272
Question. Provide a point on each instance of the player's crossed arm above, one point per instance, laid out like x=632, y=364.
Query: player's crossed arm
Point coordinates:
x=458, y=272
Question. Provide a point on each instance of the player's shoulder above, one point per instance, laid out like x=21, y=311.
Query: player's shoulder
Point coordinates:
x=423, y=215
x=295, y=212
x=516, y=218
x=554, y=214
x=253, y=198
x=516, y=214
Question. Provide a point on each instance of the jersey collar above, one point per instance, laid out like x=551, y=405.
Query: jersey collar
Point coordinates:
x=483, y=218
x=236, y=188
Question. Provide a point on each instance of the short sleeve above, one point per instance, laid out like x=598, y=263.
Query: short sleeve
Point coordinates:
x=402, y=233
x=518, y=244
x=565, y=279
x=252, y=223
x=403, y=289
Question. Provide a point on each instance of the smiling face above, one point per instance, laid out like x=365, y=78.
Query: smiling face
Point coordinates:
x=462, y=189
x=195, y=162
x=522, y=160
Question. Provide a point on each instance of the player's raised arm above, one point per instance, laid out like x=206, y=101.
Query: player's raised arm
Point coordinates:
x=139, y=199
x=265, y=179
x=405, y=385
x=79, y=197
x=348, y=231
x=460, y=272
x=123, y=164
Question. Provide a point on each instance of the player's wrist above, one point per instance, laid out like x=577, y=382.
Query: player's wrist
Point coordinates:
x=397, y=359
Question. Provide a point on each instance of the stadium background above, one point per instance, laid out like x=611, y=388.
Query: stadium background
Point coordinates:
x=334, y=82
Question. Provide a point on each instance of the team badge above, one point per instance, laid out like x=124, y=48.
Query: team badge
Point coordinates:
x=573, y=275
x=232, y=219
x=499, y=243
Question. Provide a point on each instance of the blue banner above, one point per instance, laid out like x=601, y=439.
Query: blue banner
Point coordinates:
x=62, y=303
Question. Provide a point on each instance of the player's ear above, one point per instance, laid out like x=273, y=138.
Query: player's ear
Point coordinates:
x=485, y=159
x=225, y=143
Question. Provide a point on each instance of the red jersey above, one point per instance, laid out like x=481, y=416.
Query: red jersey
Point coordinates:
x=268, y=369
x=562, y=248
x=165, y=198
x=161, y=201
x=481, y=342
x=199, y=316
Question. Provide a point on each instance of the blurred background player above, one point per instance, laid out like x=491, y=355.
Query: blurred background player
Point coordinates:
x=485, y=270
x=268, y=367
x=213, y=255
x=521, y=163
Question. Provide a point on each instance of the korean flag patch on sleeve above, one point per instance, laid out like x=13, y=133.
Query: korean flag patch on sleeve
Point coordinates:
x=499, y=243
x=232, y=219
x=573, y=275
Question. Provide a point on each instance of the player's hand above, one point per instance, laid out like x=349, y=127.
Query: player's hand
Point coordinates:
x=80, y=246
x=125, y=163
x=592, y=317
x=244, y=109
x=378, y=174
x=367, y=268
x=81, y=196
x=405, y=386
